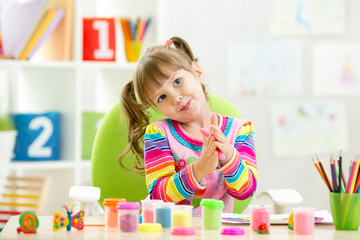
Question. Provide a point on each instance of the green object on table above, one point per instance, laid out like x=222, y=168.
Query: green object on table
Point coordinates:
x=211, y=213
x=111, y=140
x=345, y=209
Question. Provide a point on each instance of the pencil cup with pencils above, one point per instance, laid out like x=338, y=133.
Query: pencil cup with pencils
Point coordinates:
x=132, y=50
x=133, y=37
x=345, y=210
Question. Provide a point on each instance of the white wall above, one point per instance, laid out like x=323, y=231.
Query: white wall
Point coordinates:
x=209, y=26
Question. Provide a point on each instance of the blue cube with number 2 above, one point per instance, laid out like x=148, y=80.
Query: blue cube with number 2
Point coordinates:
x=38, y=136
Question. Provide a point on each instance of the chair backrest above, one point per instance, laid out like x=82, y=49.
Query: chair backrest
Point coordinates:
x=109, y=143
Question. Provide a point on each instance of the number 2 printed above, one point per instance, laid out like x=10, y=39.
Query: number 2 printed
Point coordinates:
x=37, y=148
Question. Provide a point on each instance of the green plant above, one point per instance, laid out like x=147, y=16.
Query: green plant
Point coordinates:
x=6, y=123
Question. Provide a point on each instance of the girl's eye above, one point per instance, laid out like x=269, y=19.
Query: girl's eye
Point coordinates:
x=177, y=82
x=162, y=97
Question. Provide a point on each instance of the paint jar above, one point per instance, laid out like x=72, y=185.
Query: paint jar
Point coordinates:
x=163, y=213
x=211, y=213
x=111, y=213
x=147, y=207
x=304, y=220
x=181, y=216
x=128, y=216
x=259, y=215
x=345, y=210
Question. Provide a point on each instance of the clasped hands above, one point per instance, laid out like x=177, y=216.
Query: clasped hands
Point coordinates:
x=216, y=148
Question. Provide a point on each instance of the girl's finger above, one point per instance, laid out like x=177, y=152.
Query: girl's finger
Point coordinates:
x=213, y=119
x=220, y=145
x=217, y=133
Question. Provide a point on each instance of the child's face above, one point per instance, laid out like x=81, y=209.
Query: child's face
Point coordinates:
x=181, y=97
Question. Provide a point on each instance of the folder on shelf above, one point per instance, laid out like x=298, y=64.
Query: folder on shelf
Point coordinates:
x=19, y=23
x=46, y=27
x=58, y=45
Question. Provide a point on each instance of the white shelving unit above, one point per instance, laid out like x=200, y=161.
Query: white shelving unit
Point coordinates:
x=72, y=87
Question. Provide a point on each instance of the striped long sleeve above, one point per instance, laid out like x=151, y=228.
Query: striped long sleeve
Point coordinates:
x=162, y=181
x=241, y=172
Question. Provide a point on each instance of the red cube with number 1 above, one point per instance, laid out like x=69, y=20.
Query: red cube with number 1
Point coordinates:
x=99, y=39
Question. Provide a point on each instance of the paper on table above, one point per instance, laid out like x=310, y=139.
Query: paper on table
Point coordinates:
x=321, y=216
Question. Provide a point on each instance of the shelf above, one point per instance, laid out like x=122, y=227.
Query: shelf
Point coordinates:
x=43, y=165
x=31, y=64
x=108, y=65
x=72, y=88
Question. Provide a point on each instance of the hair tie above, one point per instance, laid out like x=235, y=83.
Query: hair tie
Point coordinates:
x=168, y=43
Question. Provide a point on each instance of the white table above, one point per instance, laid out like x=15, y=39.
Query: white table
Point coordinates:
x=277, y=232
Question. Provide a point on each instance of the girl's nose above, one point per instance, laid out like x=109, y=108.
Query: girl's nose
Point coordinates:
x=177, y=98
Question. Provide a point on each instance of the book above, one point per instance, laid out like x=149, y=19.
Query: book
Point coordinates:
x=19, y=23
x=48, y=24
x=58, y=46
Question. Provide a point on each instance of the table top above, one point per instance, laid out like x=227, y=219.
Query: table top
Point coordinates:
x=92, y=230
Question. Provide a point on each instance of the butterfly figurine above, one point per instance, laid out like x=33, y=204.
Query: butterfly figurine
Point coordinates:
x=61, y=221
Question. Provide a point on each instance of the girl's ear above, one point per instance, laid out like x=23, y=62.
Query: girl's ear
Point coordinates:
x=198, y=71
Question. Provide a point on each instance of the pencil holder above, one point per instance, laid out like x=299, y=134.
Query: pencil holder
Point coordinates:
x=345, y=210
x=132, y=50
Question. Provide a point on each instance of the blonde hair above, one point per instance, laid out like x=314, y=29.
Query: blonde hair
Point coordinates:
x=155, y=66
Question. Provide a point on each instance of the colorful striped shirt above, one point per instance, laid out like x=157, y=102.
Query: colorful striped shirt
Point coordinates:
x=169, y=152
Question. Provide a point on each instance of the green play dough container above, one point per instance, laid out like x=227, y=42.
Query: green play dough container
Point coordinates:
x=211, y=213
x=345, y=209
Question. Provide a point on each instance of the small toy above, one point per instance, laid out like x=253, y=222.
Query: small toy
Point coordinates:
x=291, y=221
x=206, y=133
x=61, y=221
x=262, y=229
x=29, y=222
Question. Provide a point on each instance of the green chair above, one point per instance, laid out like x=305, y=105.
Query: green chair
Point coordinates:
x=111, y=140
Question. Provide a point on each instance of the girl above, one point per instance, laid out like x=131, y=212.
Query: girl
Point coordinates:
x=181, y=163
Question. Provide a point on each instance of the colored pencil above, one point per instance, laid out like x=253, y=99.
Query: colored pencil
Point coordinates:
x=140, y=29
x=326, y=176
x=357, y=177
x=125, y=28
x=357, y=160
x=350, y=184
x=319, y=170
x=147, y=23
x=333, y=174
x=337, y=177
x=340, y=172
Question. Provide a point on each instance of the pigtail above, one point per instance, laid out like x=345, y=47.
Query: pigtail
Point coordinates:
x=182, y=45
x=138, y=119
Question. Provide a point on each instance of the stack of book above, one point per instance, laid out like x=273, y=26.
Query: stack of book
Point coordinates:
x=26, y=26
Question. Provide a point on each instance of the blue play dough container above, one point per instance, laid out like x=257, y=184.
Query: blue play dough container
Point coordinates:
x=163, y=213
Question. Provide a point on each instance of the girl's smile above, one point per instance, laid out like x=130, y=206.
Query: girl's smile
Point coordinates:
x=187, y=106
